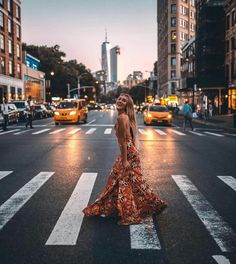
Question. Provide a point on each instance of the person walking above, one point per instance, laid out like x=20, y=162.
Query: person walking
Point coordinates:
x=5, y=113
x=126, y=194
x=29, y=114
x=187, y=112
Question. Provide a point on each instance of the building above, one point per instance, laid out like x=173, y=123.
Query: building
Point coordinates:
x=133, y=79
x=230, y=55
x=11, y=83
x=34, y=80
x=210, y=53
x=106, y=59
x=175, y=25
x=115, y=64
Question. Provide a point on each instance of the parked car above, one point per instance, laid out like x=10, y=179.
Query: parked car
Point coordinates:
x=13, y=115
x=51, y=109
x=94, y=107
x=21, y=106
x=40, y=111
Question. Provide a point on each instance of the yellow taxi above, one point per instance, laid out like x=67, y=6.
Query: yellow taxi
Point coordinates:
x=155, y=114
x=71, y=111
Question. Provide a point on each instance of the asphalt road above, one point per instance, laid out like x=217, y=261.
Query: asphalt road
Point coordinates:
x=48, y=174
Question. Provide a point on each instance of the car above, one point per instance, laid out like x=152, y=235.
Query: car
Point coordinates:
x=21, y=106
x=157, y=114
x=13, y=114
x=94, y=107
x=40, y=111
x=71, y=111
x=51, y=109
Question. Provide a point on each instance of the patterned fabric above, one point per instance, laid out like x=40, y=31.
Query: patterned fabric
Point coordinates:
x=126, y=193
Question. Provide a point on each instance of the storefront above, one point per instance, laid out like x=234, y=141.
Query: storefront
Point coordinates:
x=232, y=99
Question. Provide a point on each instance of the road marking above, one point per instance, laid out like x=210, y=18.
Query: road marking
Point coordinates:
x=67, y=228
x=229, y=180
x=221, y=259
x=220, y=231
x=41, y=131
x=4, y=174
x=178, y=132
x=17, y=200
x=160, y=132
x=72, y=132
x=91, y=131
x=10, y=131
x=142, y=131
x=214, y=134
x=144, y=236
x=57, y=131
x=108, y=131
x=21, y=132
x=198, y=134
x=90, y=122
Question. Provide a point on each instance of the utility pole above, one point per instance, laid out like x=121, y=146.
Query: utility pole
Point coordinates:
x=68, y=90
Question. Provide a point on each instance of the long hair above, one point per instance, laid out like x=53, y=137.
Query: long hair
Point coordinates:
x=132, y=117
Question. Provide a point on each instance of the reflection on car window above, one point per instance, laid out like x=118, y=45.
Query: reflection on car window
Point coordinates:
x=66, y=105
x=19, y=104
x=158, y=109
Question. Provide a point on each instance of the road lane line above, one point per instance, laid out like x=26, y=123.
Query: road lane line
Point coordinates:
x=67, y=228
x=144, y=236
x=41, y=131
x=57, y=131
x=10, y=131
x=160, y=132
x=229, y=180
x=214, y=134
x=178, y=132
x=221, y=259
x=90, y=122
x=220, y=231
x=72, y=132
x=108, y=131
x=90, y=131
x=196, y=133
x=4, y=174
x=142, y=131
x=19, y=199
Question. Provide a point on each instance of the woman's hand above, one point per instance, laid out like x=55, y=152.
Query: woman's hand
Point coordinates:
x=125, y=164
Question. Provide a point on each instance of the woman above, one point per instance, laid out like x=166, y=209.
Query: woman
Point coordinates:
x=126, y=193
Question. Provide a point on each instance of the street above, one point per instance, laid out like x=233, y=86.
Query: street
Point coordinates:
x=48, y=175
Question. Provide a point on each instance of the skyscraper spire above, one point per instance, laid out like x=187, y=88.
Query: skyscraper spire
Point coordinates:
x=105, y=35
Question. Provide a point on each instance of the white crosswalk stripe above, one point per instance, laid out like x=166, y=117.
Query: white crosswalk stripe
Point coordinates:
x=229, y=180
x=17, y=200
x=196, y=133
x=221, y=259
x=21, y=132
x=220, y=231
x=178, y=132
x=91, y=131
x=160, y=132
x=41, y=131
x=3, y=174
x=214, y=134
x=108, y=131
x=9, y=131
x=74, y=131
x=57, y=131
x=68, y=226
x=142, y=131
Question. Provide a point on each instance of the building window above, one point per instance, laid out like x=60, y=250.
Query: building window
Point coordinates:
x=173, y=35
x=173, y=87
x=227, y=46
x=1, y=2
x=18, y=70
x=18, y=51
x=227, y=22
x=183, y=10
x=2, y=42
x=173, y=21
x=9, y=5
x=233, y=46
x=1, y=19
x=173, y=48
x=191, y=14
x=3, y=65
x=192, y=27
x=233, y=18
x=173, y=61
x=10, y=46
x=9, y=26
x=18, y=31
x=10, y=67
x=17, y=12
x=173, y=74
x=183, y=23
x=192, y=2
x=173, y=9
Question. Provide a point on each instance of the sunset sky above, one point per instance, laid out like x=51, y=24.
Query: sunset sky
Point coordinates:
x=78, y=27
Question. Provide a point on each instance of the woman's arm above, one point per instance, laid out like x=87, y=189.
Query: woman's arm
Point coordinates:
x=123, y=125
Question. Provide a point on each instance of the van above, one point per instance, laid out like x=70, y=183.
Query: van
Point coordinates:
x=71, y=111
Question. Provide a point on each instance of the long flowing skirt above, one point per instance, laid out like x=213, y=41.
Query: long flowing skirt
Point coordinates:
x=126, y=193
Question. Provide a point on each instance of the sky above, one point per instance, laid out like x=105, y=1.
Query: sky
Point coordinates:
x=78, y=27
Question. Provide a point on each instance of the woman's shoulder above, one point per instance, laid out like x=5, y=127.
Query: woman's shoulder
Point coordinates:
x=123, y=118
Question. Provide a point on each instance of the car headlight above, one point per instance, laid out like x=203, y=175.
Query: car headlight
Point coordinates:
x=72, y=112
x=149, y=115
x=169, y=116
x=56, y=113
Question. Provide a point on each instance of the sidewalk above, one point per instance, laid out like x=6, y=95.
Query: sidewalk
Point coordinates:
x=218, y=121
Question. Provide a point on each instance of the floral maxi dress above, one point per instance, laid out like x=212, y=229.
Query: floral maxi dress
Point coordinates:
x=126, y=193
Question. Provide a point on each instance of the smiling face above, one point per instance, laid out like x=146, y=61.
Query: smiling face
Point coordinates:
x=121, y=102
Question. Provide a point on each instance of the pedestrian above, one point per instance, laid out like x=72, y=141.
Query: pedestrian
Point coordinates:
x=126, y=194
x=5, y=113
x=187, y=112
x=210, y=107
x=29, y=113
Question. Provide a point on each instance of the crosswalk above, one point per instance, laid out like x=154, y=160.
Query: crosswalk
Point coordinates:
x=143, y=236
x=144, y=132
